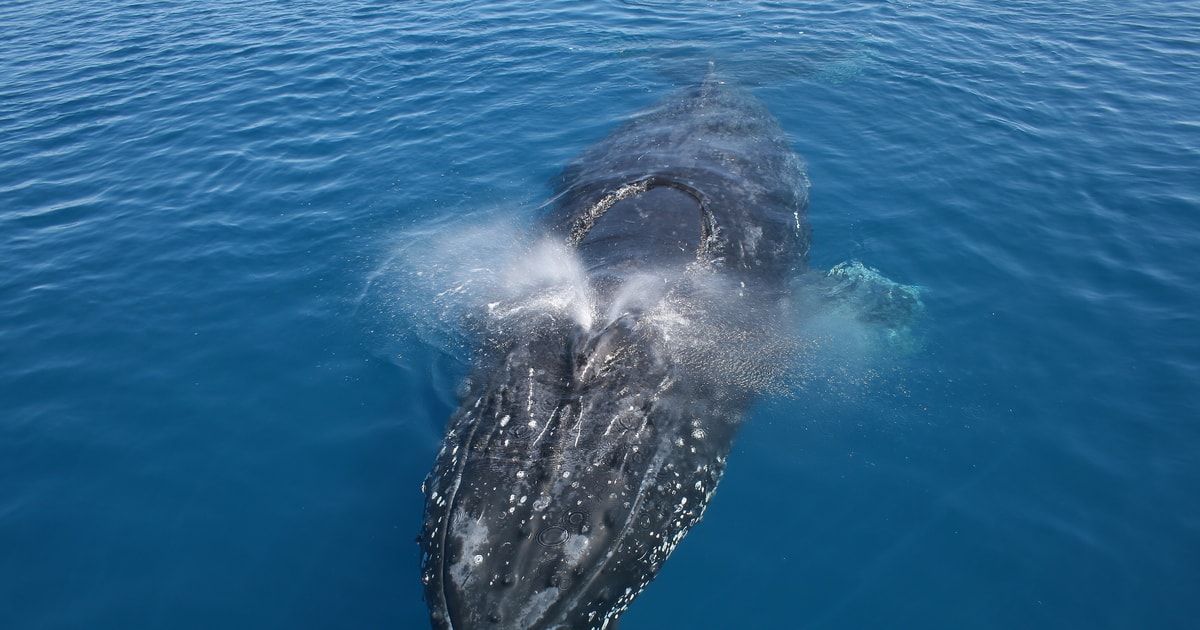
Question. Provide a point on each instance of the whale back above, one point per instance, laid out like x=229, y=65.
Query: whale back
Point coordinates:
x=721, y=154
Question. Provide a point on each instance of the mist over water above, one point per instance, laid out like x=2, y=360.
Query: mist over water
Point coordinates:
x=460, y=285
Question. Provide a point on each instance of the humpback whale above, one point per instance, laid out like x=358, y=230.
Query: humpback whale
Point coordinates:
x=594, y=425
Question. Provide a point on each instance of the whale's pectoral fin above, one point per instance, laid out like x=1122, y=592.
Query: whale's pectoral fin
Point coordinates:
x=873, y=299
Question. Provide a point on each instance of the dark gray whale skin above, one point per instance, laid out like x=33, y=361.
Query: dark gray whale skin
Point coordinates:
x=582, y=453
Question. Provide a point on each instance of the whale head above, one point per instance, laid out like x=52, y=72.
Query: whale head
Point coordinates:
x=567, y=478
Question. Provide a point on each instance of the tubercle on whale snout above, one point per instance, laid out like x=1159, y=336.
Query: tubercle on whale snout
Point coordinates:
x=579, y=457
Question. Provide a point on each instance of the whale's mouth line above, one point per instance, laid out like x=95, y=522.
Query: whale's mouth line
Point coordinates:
x=587, y=220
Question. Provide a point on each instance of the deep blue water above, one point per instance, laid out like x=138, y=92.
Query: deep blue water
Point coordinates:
x=210, y=418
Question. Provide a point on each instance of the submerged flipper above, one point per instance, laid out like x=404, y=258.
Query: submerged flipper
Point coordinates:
x=876, y=300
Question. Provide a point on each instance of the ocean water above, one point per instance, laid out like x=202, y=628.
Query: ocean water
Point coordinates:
x=212, y=414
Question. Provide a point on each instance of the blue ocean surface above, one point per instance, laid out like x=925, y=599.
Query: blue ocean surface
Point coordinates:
x=213, y=413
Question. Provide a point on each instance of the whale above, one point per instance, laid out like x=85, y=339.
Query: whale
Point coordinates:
x=594, y=424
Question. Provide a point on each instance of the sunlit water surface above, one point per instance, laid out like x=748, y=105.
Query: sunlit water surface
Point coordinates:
x=213, y=415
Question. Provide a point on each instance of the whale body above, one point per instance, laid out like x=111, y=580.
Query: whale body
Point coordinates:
x=591, y=435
